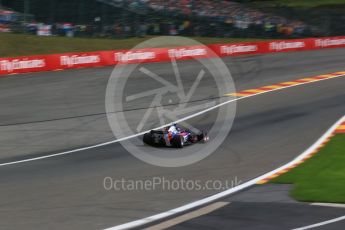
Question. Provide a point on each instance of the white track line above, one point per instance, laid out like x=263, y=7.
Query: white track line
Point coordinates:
x=217, y=196
x=333, y=205
x=321, y=223
x=142, y=133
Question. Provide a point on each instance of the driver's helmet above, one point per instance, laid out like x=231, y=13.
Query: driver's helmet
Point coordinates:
x=173, y=129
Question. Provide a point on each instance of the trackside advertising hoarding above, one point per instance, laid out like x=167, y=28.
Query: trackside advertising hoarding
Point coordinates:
x=64, y=61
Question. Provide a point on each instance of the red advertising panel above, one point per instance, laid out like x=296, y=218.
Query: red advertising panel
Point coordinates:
x=105, y=58
x=237, y=49
x=77, y=60
x=332, y=42
x=23, y=64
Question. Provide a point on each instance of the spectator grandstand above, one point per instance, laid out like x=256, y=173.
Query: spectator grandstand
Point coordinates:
x=228, y=12
x=125, y=18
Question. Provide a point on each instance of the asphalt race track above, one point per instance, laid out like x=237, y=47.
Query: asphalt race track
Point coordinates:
x=259, y=207
x=47, y=113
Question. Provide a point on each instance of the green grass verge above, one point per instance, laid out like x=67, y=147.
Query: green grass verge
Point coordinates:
x=321, y=178
x=20, y=45
x=299, y=3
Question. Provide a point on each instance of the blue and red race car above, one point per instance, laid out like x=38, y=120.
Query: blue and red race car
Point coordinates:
x=173, y=136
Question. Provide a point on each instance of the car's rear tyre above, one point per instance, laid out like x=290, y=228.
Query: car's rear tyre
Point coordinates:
x=147, y=139
x=177, y=141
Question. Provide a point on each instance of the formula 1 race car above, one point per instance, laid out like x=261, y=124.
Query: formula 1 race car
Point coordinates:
x=173, y=136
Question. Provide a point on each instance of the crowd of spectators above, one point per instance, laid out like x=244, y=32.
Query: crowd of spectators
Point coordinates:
x=174, y=17
x=240, y=16
x=6, y=18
